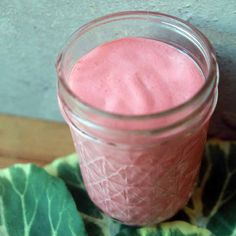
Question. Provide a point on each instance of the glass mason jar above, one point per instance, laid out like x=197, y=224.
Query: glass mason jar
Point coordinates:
x=139, y=169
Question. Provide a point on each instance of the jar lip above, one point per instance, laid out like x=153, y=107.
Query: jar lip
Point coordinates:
x=210, y=78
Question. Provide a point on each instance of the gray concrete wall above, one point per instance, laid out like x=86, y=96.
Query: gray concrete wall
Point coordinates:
x=32, y=32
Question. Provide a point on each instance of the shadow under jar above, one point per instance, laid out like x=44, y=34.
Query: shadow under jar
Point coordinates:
x=139, y=169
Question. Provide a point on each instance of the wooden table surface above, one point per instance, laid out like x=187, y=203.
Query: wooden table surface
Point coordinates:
x=30, y=140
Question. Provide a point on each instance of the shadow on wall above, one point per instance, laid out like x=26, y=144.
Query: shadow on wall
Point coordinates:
x=223, y=122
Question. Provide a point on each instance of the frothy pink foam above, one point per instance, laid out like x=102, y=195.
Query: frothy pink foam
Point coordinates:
x=135, y=76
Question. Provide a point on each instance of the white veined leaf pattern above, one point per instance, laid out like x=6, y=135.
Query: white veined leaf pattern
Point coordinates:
x=34, y=203
x=213, y=204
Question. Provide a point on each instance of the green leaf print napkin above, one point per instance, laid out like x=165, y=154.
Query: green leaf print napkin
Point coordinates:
x=54, y=202
x=32, y=202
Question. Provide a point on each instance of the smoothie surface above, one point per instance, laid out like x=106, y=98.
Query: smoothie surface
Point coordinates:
x=135, y=76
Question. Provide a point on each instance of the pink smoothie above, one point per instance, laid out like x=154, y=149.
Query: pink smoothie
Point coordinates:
x=138, y=76
x=135, y=76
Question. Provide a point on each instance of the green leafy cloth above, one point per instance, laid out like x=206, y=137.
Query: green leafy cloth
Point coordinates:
x=36, y=202
x=32, y=202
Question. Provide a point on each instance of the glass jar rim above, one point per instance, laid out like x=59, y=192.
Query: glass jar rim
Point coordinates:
x=210, y=78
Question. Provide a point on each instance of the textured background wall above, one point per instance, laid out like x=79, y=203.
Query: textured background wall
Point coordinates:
x=32, y=32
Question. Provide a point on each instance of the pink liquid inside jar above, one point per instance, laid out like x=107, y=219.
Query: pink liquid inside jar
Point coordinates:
x=139, y=168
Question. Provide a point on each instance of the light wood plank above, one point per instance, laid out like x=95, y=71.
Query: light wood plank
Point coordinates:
x=25, y=140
